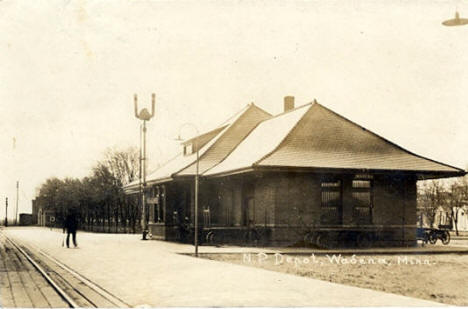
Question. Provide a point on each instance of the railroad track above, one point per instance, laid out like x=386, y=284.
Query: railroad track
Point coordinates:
x=35, y=279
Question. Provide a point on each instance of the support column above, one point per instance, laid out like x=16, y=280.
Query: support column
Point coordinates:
x=151, y=208
x=163, y=203
x=158, y=203
x=192, y=204
x=348, y=203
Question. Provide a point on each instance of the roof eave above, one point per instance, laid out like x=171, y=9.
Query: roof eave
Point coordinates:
x=159, y=181
x=131, y=190
x=231, y=172
x=431, y=175
x=135, y=188
x=420, y=174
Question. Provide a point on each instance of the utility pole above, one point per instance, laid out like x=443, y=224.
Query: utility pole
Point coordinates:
x=197, y=180
x=6, y=212
x=145, y=116
x=17, y=195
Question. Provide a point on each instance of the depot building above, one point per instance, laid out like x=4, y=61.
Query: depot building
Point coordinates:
x=307, y=176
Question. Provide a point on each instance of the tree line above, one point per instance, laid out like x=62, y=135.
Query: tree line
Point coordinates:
x=436, y=197
x=98, y=200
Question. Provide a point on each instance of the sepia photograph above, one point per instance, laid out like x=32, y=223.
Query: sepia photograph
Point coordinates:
x=233, y=153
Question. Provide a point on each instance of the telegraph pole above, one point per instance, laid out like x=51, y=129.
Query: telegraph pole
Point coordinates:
x=17, y=195
x=6, y=212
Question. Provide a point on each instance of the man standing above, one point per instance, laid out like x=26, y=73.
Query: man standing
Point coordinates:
x=71, y=225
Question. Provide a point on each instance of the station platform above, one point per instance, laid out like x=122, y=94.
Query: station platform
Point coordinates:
x=156, y=274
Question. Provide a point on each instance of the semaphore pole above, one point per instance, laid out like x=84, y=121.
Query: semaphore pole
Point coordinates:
x=144, y=115
x=143, y=198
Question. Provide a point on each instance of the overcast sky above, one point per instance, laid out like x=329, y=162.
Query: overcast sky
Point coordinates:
x=69, y=70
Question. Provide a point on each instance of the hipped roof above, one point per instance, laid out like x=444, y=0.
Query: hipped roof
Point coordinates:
x=309, y=137
x=315, y=137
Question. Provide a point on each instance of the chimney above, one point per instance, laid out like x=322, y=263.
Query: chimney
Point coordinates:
x=288, y=103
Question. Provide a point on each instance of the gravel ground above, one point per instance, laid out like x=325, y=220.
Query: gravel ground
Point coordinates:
x=442, y=277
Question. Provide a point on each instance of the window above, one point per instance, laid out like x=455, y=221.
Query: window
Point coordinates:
x=156, y=199
x=331, y=202
x=362, y=201
x=206, y=217
x=188, y=149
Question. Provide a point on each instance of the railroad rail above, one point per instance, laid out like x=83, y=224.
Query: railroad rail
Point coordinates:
x=66, y=288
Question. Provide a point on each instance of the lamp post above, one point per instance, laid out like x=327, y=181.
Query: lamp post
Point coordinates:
x=457, y=21
x=145, y=116
x=196, y=182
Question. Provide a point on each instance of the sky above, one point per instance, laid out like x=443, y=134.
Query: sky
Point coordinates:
x=69, y=70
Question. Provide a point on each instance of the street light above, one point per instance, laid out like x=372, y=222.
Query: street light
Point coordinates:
x=457, y=21
x=196, y=182
x=145, y=116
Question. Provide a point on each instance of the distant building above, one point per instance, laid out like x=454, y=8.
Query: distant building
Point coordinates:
x=307, y=174
x=444, y=217
x=462, y=224
x=41, y=215
x=25, y=219
x=35, y=210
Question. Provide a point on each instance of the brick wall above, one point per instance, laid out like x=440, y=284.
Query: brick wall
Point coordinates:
x=264, y=201
x=297, y=203
x=289, y=205
x=395, y=205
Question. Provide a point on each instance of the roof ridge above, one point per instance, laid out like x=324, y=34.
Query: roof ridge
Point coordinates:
x=386, y=140
x=288, y=111
x=235, y=114
x=233, y=149
x=289, y=133
x=291, y=110
x=227, y=127
x=220, y=128
x=226, y=123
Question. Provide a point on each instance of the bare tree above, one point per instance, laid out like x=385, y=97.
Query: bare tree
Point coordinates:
x=432, y=195
x=118, y=168
x=122, y=164
x=99, y=198
x=458, y=198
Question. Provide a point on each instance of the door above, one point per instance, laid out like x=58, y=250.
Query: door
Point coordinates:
x=249, y=211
